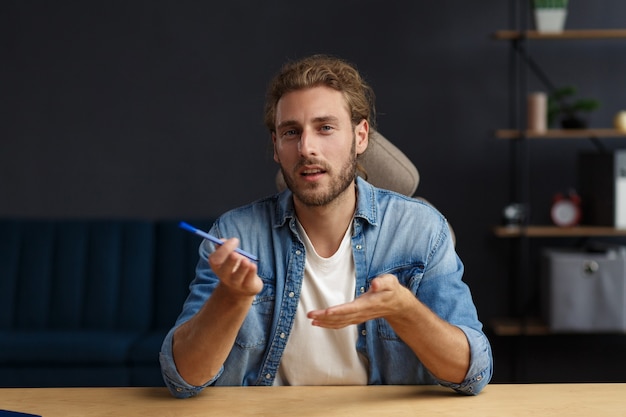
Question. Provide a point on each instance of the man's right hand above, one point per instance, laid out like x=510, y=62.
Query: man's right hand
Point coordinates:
x=202, y=344
x=237, y=274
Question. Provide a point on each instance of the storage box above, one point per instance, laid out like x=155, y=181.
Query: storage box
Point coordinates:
x=585, y=291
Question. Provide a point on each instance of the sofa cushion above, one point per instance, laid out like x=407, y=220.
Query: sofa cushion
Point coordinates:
x=176, y=256
x=45, y=347
x=71, y=275
x=146, y=350
x=88, y=302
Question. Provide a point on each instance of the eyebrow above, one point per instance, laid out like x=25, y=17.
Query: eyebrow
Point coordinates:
x=320, y=119
x=326, y=119
x=287, y=123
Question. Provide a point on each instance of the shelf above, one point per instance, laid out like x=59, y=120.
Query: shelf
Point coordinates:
x=555, y=231
x=566, y=34
x=518, y=327
x=561, y=134
x=537, y=327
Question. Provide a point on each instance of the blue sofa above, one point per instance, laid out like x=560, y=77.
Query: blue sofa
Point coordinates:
x=88, y=302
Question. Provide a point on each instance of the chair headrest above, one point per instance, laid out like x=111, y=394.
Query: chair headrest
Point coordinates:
x=386, y=166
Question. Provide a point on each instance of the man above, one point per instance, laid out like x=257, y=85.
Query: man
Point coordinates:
x=354, y=284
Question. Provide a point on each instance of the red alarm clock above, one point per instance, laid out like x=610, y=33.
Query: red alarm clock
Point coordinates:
x=565, y=211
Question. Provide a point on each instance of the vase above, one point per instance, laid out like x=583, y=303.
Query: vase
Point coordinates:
x=550, y=20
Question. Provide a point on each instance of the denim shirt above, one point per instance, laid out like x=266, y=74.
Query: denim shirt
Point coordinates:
x=392, y=234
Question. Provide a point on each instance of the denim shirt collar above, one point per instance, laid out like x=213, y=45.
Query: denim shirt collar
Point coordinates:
x=366, y=207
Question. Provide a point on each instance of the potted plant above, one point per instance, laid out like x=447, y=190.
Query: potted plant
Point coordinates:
x=569, y=113
x=550, y=15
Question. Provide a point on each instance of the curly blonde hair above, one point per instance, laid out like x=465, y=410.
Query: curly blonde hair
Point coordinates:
x=322, y=70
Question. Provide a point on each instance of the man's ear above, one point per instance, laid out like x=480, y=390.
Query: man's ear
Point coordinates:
x=361, y=132
x=274, y=147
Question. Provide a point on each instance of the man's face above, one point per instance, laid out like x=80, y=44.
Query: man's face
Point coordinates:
x=316, y=144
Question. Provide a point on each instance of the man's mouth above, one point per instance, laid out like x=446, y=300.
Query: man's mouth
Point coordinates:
x=312, y=171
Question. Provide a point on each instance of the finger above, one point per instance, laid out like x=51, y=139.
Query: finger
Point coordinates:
x=237, y=264
x=224, y=259
x=229, y=266
x=240, y=275
x=382, y=283
x=335, y=322
x=222, y=252
x=337, y=316
x=337, y=311
x=237, y=268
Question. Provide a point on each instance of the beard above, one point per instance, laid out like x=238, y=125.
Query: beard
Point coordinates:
x=314, y=194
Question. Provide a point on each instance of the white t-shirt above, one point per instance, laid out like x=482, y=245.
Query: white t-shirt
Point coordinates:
x=315, y=355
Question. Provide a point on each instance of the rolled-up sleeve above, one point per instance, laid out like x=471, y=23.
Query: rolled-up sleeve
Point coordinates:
x=481, y=364
x=173, y=381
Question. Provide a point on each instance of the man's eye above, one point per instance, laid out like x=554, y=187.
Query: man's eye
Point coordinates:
x=326, y=128
x=290, y=133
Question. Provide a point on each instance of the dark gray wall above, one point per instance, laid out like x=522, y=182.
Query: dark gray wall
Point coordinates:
x=152, y=109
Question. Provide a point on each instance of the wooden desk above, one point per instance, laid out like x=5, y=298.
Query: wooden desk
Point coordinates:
x=588, y=400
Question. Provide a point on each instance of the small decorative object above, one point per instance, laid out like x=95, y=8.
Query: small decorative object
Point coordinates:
x=550, y=15
x=514, y=214
x=620, y=121
x=565, y=211
x=537, y=112
x=569, y=112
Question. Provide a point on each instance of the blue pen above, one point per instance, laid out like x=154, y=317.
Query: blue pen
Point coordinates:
x=215, y=240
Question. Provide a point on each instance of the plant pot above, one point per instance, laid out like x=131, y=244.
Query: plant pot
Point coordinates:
x=574, y=122
x=550, y=20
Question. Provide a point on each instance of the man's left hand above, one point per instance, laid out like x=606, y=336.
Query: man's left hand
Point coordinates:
x=384, y=298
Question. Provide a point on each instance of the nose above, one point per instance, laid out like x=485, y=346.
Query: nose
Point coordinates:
x=307, y=144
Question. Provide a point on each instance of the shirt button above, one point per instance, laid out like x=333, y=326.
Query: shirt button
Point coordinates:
x=292, y=294
x=364, y=332
x=362, y=290
x=298, y=252
x=268, y=376
x=359, y=247
x=282, y=335
x=179, y=389
x=479, y=378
